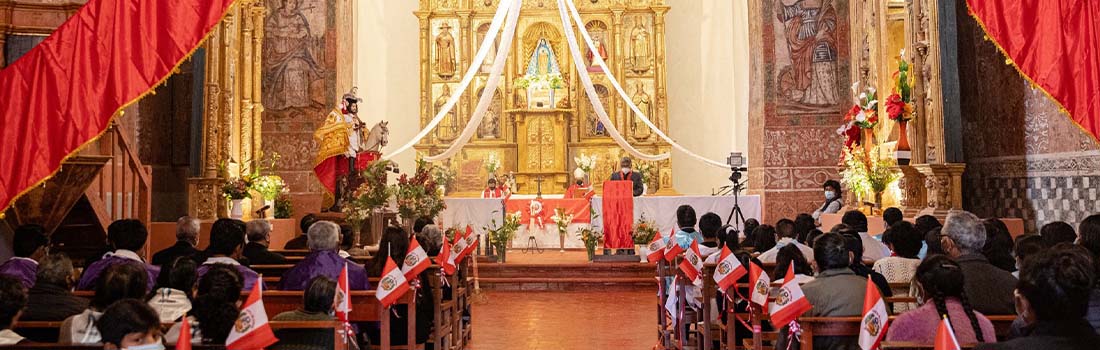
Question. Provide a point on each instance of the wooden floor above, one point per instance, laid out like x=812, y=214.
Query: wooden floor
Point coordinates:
x=565, y=320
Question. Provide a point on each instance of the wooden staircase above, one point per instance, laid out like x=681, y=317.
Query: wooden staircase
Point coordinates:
x=104, y=182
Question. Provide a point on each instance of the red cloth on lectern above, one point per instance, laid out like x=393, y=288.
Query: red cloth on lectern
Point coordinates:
x=618, y=214
x=333, y=167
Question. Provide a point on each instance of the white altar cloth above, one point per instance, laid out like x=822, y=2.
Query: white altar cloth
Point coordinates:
x=479, y=213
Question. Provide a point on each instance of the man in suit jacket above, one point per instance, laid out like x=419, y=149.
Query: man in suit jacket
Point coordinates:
x=301, y=242
x=259, y=236
x=627, y=173
x=187, y=238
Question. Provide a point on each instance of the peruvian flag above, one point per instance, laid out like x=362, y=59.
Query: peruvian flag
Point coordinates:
x=416, y=260
x=444, y=259
x=672, y=249
x=761, y=285
x=875, y=319
x=184, y=341
x=393, y=284
x=343, y=293
x=692, y=264
x=251, y=332
x=945, y=336
x=789, y=301
x=656, y=249
x=458, y=251
x=471, y=242
x=729, y=269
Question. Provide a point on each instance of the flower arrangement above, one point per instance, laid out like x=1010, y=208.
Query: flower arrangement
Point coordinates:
x=591, y=236
x=864, y=113
x=867, y=173
x=501, y=235
x=417, y=195
x=370, y=195
x=562, y=219
x=283, y=207
x=539, y=81
x=644, y=231
x=444, y=177
x=585, y=162
x=648, y=171
x=237, y=188
x=268, y=186
x=492, y=163
x=451, y=232
x=899, y=105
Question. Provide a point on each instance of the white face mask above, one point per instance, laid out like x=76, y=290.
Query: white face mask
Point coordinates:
x=153, y=346
x=626, y=170
x=830, y=195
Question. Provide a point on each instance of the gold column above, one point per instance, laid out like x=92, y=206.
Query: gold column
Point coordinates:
x=211, y=156
x=465, y=110
x=246, y=159
x=617, y=65
x=425, y=69
x=258, y=12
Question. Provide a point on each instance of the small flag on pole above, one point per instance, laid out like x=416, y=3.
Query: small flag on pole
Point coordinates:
x=184, y=341
x=692, y=264
x=789, y=301
x=416, y=260
x=251, y=331
x=761, y=286
x=392, y=285
x=875, y=318
x=729, y=269
x=444, y=259
x=343, y=301
x=656, y=249
x=945, y=336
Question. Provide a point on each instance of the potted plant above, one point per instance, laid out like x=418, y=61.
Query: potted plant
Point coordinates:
x=269, y=187
x=418, y=196
x=283, y=207
x=499, y=236
x=368, y=199
x=592, y=238
x=868, y=173
x=236, y=190
x=899, y=108
x=644, y=231
x=562, y=219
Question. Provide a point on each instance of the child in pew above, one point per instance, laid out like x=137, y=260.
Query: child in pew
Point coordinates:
x=130, y=324
x=940, y=282
x=12, y=299
x=173, y=300
x=215, y=309
x=318, y=304
x=394, y=244
x=117, y=282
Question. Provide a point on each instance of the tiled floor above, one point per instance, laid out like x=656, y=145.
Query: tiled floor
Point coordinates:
x=565, y=320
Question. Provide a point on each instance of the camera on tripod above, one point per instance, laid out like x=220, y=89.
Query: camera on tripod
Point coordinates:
x=736, y=161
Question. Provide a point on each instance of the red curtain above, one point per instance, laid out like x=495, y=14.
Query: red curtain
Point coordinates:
x=1055, y=44
x=63, y=93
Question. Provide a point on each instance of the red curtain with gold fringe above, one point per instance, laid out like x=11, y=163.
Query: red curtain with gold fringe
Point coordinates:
x=1055, y=44
x=63, y=93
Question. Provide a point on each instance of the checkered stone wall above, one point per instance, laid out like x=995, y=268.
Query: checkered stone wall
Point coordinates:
x=1040, y=191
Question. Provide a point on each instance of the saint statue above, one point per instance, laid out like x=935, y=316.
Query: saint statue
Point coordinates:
x=445, y=52
x=637, y=126
x=487, y=64
x=639, y=48
x=490, y=123
x=601, y=48
x=449, y=127
x=288, y=59
x=810, y=29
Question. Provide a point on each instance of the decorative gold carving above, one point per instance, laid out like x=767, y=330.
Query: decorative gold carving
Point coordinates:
x=204, y=198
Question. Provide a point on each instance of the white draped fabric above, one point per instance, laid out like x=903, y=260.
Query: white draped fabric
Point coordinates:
x=479, y=213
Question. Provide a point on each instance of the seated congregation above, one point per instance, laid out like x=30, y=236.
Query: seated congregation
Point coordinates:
x=1034, y=292
x=122, y=302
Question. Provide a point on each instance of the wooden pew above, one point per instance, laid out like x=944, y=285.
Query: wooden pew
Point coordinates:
x=336, y=326
x=849, y=326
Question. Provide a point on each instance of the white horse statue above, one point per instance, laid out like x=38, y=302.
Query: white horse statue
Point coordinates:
x=377, y=137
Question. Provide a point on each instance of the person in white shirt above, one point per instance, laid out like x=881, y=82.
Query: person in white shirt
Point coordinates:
x=785, y=231
x=833, y=201
x=873, y=250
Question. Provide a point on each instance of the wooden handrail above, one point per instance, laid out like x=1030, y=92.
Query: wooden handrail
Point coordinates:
x=124, y=188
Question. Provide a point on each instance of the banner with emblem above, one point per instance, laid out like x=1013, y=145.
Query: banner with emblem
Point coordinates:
x=729, y=270
x=692, y=264
x=761, y=285
x=789, y=301
x=251, y=331
x=875, y=318
x=392, y=285
x=656, y=249
x=416, y=260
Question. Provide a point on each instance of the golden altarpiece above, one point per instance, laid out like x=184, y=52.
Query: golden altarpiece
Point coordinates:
x=536, y=133
x=880, y=31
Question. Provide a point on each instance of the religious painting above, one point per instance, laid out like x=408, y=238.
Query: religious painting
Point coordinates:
x=445, y=48
x=599, y=33
x=638, y=39
x=807, y=55
x=482, y=32
x=641, y=93
x=294, y=49
x=593, y=127
x=451, y=125
x=491, y=122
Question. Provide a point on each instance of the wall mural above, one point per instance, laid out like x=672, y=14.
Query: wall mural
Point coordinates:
x=807, y=55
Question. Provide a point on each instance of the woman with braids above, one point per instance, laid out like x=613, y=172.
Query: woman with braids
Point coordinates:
x=940, y=281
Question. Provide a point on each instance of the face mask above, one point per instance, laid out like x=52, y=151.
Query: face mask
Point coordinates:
x=830, y=195
x=153, y=346
x=626, y=170
x=580, y=183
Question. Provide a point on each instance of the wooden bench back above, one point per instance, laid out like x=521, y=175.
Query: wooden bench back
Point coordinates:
x=336, y=327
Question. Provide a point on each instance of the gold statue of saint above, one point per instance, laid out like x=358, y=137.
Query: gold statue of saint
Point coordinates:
x=445, y=52
x=637, y=127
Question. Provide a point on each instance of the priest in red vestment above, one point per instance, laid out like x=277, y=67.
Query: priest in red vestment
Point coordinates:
x=580, y=188
x=492, y=190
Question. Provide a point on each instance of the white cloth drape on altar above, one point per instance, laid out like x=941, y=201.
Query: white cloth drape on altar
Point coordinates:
x=479, y=213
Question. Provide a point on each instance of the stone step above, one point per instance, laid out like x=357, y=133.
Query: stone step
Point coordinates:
x=583, y=270
x=568, y=284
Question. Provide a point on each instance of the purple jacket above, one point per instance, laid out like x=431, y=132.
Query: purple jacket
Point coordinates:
x=326, y=263
x=919, y=325
x=250, y=277
x=91, y=274
x=22, y=269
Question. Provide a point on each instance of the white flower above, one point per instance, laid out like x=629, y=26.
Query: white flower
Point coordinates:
x=902, y=54
x=862, y=96
x=861, y=117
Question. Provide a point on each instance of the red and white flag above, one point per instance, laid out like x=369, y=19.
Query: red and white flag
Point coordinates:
x=729, y=270
x=184, y=340
x=471, y=241
x=343, y=292
x=458, y=250
x=692, y=264
x=875, y=318
x=656, y=249
x=444, y=259
x=672, y=249
x=392, y=285
x=251, y=331
x=761, y=285
x=789, y=301
x=416, y=260
x=945, y=336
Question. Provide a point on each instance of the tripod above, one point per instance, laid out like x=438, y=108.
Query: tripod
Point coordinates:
x=735, y=212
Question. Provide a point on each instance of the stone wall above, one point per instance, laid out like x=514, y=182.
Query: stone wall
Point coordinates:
x=1024, y=158
x=796, y=99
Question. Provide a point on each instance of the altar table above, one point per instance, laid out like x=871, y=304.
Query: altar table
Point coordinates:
x=479, y=214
